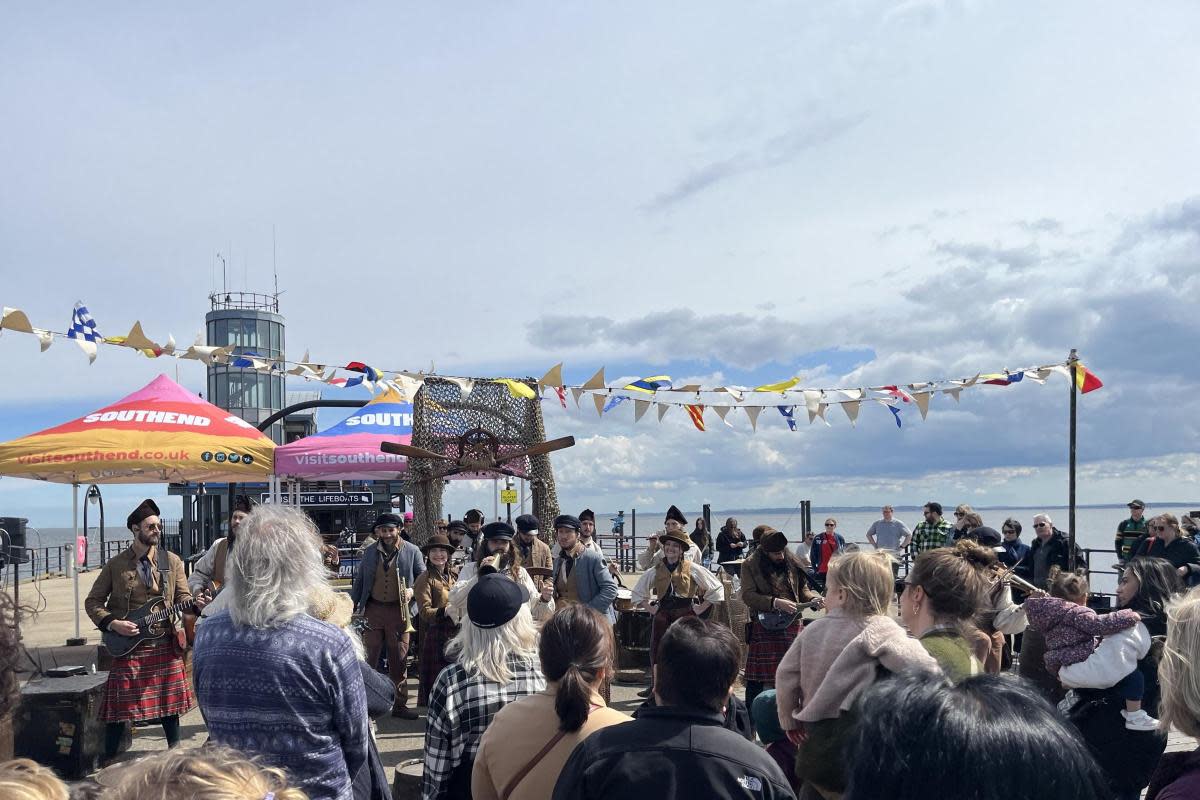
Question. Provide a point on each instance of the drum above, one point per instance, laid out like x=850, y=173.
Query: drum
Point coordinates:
x=624, y=601
x=633, y=638
x=407, y=783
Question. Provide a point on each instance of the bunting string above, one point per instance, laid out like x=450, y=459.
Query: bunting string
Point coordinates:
x=784, y=395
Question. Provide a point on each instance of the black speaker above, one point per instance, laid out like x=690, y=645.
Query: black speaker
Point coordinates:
x=56, y=724
x=15, y=527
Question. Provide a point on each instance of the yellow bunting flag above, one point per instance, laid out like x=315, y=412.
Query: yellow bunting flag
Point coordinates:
x=517, y=388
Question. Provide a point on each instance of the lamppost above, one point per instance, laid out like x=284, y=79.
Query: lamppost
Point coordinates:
x=93, y=498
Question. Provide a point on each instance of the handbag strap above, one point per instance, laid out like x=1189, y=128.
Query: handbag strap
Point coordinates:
x=533, y=762
x=164, y=570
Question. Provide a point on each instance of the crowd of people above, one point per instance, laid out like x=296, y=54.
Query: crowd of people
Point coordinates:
x=887, y=687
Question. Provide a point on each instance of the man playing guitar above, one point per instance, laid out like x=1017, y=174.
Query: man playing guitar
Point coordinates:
x=148, y=683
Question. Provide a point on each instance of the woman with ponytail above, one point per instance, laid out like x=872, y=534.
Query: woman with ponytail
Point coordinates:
x=529, y=740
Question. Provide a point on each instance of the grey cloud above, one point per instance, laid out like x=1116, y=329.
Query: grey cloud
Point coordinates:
x=775, y=151
x=1043, y=225
x=1180, y=218
x=1014, y=258
x=564, y=330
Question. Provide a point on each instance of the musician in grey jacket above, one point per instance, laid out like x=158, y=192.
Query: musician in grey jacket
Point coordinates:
x=579, y=574
x=377, y=596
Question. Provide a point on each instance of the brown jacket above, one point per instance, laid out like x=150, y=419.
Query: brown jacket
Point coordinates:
x=757, y=592
x=517, y=733
x=118, y=588
x=431, y=593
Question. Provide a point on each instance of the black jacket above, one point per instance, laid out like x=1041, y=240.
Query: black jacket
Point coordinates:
x=1180, y=552
x=670, y=753
x=1057, y=549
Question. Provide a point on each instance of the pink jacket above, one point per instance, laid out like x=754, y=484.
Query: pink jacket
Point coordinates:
x=1071, y=629
x=834, y=658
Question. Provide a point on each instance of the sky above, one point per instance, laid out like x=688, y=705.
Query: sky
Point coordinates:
x=857, y=193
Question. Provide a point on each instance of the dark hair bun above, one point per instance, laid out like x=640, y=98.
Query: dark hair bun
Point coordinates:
x=974, y=553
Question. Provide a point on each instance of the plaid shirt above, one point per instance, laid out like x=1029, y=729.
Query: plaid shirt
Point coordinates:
x=926, y=536
x=461, y=706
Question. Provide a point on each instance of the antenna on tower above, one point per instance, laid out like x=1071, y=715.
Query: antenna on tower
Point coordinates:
x=274, y=266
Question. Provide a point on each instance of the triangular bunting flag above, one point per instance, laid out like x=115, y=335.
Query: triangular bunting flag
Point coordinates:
x=640, y=407
x=14, y=319
x=562, y=396
x=596, y=381
x=922, y=401
x=576, y=392
x=45, y=339
x=851, y=408
x=614, y=401
x=553, y=376
x=663, y=408
x=721, y=412
x=518, y=389
x=599, y=400
x=696, y=412
x=895, y=413
x=752, y=412
x=781, y=386
x=789, y=414
x=953, y=393
x=465, y=385
x=1085, y=379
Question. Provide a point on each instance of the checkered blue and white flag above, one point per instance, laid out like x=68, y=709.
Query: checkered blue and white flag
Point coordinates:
x=83, y=331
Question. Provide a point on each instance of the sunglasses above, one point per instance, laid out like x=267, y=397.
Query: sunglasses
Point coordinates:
x=1040, y=525
x=830, y=525
x=959, y=514
x=1159, y=528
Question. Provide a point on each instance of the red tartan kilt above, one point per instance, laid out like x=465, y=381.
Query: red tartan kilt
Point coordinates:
x=767, y=649
x=149, y=683
x=431, y=658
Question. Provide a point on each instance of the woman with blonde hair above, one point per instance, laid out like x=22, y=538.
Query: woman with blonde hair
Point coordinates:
x=1178, y=774
x=202, y=773
x=23, y=779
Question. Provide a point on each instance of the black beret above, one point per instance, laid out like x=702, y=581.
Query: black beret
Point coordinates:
x=498, y=530
x=387, y=518
x=566, y=521
x=527, y=522
x=458, y=525
x=494, y=600
x=243, y=503
x=147, y=509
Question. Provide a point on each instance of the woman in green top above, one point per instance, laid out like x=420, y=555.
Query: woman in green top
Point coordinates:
x=946, y=588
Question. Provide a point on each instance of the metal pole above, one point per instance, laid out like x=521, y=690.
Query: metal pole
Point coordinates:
x=633, y=536
x=73, y=566
x=1072, y=361
x=495, y=498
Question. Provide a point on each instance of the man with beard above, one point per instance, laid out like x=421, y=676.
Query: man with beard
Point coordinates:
x=377, y=596
x=208, y=575
x=774, y=587
x=150, y=682
x=474, y=520
x=532, y=551
x=456, y=532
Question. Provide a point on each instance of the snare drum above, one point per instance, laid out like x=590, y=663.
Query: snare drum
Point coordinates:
x=624, y=601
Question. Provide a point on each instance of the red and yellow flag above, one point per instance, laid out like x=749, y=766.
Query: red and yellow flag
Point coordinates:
x=1085, y=379
x=697, y=415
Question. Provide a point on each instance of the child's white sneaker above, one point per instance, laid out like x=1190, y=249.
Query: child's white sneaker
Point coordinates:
x=1139, y=720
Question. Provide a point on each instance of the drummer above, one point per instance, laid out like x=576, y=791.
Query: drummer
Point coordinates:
x=675, y=587
x=650, y=557
x=774, y=588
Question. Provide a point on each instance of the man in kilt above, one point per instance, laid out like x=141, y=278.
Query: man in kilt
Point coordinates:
x=148, y=684
x=774, y=587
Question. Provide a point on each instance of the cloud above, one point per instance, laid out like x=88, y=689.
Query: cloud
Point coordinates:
x=1015, y=259
x=773, y=152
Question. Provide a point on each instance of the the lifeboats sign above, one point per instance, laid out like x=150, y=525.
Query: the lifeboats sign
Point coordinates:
x=327, y=499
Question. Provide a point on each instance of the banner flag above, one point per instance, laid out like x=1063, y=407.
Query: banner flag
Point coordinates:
x=83, y=330
x=650, y=385
x=781, y=386
x=696, y=412
x=372, y=374
x=1085, y=379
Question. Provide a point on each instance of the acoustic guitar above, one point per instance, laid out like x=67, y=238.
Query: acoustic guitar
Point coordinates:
x=154, y=622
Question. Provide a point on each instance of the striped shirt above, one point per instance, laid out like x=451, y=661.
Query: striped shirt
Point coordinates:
x=928, y=536
x=461, y=706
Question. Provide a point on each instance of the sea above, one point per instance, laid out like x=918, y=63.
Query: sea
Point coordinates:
x=1095, y=527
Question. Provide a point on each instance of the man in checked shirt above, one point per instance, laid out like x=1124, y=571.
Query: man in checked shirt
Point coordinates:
x=468, y=693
